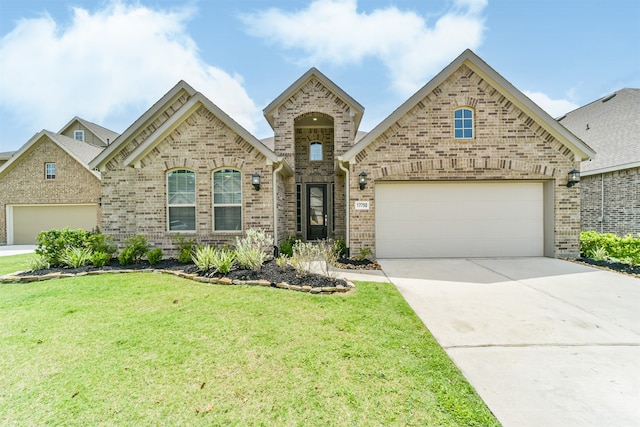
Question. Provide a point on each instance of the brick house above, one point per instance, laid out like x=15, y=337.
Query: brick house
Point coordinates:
x=48, y=184
x=610, y=183
x=468, y=166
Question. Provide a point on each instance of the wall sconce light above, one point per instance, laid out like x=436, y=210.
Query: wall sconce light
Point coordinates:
x=574, y=178
x=362, y=180
x=255, y=181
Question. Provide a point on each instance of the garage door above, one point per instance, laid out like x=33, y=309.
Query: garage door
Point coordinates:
x=28, y=221
x=462, y=219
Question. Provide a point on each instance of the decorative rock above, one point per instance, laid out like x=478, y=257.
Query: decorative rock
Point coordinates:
x=306, y=288
x=225, y=281
x=283, y=285
x=295, y=288
x=329, y=289
x=315, y=290
x=263, y=283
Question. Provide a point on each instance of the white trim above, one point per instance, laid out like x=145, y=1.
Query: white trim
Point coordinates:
x=166, y=174
x=9, y=220
x=76, y=132
x=611, y=169
x=226, y=205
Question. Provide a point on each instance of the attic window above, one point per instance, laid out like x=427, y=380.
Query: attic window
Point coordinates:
x=463, y=123
x=78, y=135
x=49, y=171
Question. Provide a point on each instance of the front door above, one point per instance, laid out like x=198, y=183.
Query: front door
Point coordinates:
x=316, y=211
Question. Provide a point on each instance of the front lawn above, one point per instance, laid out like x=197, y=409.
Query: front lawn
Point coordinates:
x=151, y=349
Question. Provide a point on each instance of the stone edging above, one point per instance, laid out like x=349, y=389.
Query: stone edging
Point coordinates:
x=14, y=278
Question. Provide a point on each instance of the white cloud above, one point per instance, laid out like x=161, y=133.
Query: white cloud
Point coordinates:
x=554, y=107
x=334, y=31
x=105, y=62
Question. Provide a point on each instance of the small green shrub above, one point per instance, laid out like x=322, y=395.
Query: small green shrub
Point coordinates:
x=224, y=260
x=101, y=243
x=39, y=262
x=207, y=258
x=136, y=247
x=53, y=243
x=100, y=259
x=286, y=247
x=154, y=256
x=203, y=257
x=186, y=249
x=304, y=253
x=363, y=253
x=340, y=248
x=76, y=257
x=600, y=254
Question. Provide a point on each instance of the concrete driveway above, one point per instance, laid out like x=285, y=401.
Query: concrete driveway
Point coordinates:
x=545, y=342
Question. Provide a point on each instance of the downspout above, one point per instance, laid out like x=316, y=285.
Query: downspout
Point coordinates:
x=601, y=203
x=275, y=208
x=347, y=204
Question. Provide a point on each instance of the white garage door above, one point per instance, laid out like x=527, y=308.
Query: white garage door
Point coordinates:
x=28, y=221
x=462, y=219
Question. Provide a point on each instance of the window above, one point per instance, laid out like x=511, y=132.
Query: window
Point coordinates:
x=181, y=200
x=78, y=135
x=463, y=123
x=315, y=151
x=49, y=171
x=227, y=200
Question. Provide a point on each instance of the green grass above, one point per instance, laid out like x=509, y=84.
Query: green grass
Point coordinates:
x=151, y=349
x=13, y=263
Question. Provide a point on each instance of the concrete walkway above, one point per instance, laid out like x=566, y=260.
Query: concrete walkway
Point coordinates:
x=16, y=249
x=545, y=342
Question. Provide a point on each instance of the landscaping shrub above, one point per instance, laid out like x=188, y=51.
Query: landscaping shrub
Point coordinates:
x=100, y=259
x=136, y=247
x=154, y=256
x=53, y=243
x=251, y=249
x=363, y=253
x=624, y=249
x=304, y=253
x=76, y=257
x=186, y=249
x=340, y=248
x=39, y=262
x=286, y=247
x=101, y=243
x=220, y=259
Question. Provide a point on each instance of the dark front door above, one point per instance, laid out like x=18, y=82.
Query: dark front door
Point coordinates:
x=316, y=211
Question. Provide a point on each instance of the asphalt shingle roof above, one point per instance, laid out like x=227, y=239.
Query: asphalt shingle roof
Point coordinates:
x=611, y=126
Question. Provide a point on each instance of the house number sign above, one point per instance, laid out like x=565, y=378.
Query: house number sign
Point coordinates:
x=362, y=205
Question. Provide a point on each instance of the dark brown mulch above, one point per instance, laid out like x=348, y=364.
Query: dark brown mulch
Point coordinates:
x=269, y=271
x=358, y=264
x=620, y=267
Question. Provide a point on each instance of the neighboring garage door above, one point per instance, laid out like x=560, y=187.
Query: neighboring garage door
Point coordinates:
x=461, y=219
x=28, y=221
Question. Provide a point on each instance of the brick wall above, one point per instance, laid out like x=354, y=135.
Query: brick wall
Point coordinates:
x=135, y=199
x=25, y=182
x=507, y=145
x=621, y=202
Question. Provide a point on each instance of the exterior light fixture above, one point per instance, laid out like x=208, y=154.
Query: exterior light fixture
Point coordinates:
x=255, y=181
x=574, y=178
x=362, y=180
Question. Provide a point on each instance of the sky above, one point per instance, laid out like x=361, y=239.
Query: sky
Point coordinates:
x=108, y=61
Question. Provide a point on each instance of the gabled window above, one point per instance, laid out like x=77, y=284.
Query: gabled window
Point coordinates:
x=315, y=151
x=181, y=200
x=50, y=171
x=78, y=135
x=227, y=200
x=463, y=123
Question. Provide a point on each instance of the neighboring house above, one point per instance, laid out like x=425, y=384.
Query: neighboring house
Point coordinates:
x=610, y=183
x=467, y=167
x=48, y=184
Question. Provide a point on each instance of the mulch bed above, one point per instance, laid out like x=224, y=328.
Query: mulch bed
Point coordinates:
x=632, y=270
x=270, y=271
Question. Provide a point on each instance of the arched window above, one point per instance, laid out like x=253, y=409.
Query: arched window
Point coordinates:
x=315, y=151
x=227, y=200
x=181, y=200
x=463, y=123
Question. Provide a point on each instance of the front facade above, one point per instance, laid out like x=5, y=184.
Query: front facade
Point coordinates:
x=610, y=183
x=468, y=166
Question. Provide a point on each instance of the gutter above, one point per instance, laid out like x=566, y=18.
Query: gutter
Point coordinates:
x=347, y=204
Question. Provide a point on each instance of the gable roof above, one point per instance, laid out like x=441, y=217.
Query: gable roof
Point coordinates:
x=103, y=134
x=160, y=105
x=195, y=101
x=78, y=150
x=581, y=150
x=271, y=111
x=611, y=125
